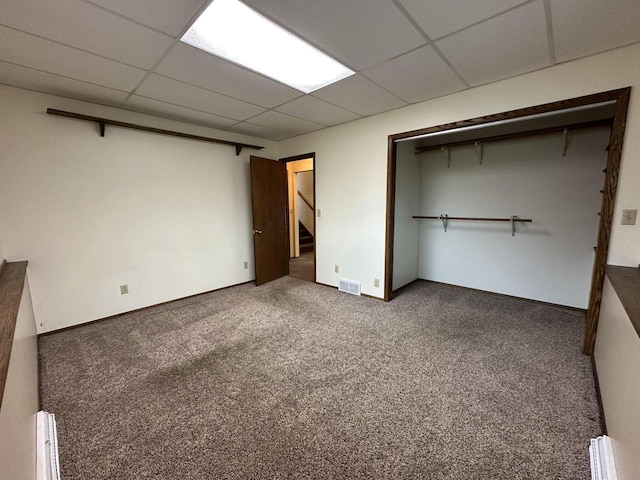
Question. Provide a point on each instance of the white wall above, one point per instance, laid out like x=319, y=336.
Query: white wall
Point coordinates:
x=305, y=186
x=550, y=259
x=20, y=399
x=406, y=245
x=617, y=357
x=351, y=159
x=170, y=217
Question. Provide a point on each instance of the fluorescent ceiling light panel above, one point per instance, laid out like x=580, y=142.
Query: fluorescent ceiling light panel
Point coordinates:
x=231, y=30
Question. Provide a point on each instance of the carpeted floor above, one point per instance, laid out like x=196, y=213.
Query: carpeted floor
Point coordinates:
x=303, y=267
x=296, y=380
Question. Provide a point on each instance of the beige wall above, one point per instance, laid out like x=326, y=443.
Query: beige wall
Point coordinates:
x=20, y=400
x=351, y=159
x=167, y=216
x=617, y=357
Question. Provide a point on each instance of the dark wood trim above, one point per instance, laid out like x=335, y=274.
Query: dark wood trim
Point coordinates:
x=309, y=156
x=295, y=158
x=391, y=212
x=603, y=422
x=301, y=195
x=521, y=112
x=606, y=217
x=112, y=317
x=626, y=283
x=104, y=121
x=11, y=286
x=2, y=265
x=510, y=136
x=621, y=96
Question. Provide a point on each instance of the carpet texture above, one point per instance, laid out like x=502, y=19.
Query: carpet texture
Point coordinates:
x=297, y=380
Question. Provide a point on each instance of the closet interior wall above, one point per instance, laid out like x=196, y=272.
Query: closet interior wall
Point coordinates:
x=550, y=259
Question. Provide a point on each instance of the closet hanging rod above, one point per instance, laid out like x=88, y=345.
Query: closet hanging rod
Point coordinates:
x=475, y=219
x=102, y=122
x=508, y=136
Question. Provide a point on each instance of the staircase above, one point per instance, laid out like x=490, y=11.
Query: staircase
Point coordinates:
x=306, y=239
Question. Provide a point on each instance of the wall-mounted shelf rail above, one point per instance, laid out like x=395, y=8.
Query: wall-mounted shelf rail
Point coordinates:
x=103, y=122
x=478, y=142
x=445, y=220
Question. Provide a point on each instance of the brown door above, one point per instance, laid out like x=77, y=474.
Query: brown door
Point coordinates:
x=269, y=204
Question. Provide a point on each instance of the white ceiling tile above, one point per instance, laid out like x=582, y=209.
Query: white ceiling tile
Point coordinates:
x=438, y=18
x=87, y=27
x=30, y=51
x=24, y=77
x=173, y=91
x=416, y=76
x=169, y=16
x=359, y=33
x=261, y=132
x=316, y=110
x=360, y=95
x=280, y=121
x=583, y=27
x=505, y=46
x=175, y=112
x=194, y=66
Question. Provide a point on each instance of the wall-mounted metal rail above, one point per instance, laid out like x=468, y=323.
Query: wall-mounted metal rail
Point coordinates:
x=103, y=122
x=445, y=220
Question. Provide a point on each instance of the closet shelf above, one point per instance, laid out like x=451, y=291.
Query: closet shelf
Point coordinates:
x=445, y=219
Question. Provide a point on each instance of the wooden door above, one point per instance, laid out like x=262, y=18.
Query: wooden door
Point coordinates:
x=270, y=229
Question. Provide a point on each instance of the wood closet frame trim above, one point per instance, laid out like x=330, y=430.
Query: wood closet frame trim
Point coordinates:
x=621, y=97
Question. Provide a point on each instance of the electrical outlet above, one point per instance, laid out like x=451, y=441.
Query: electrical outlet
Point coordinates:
x=246, y=265
x=124, y=289
x=337, y=269
x=319, y=212
x=376, y=282
x=629, y=217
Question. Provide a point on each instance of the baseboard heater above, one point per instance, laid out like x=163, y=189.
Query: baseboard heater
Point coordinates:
x=349, y=286
x=47, y=466
x=603, y=466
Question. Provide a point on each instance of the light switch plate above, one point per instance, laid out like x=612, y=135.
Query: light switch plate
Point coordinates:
x=629, y=217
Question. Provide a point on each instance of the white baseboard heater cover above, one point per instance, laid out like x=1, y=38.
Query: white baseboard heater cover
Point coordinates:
x=603, y=466
x=47, y=466
x=349, y=286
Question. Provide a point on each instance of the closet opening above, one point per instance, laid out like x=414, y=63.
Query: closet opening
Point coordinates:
x=517, y=203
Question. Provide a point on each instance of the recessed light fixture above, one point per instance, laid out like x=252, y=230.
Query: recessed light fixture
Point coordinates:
x=231, y=30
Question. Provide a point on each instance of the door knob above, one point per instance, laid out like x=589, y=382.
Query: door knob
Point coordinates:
x=257, y=232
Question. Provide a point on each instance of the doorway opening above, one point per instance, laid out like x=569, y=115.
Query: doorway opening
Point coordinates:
x=301, y=216
x=540, y=119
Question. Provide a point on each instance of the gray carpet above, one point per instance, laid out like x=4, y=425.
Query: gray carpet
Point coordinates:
x=303, y=267
x=297, y=380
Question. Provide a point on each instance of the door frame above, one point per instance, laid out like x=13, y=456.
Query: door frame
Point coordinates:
x=295, y=158
x=621, y=97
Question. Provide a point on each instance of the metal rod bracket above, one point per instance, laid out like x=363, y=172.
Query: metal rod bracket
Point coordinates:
x=479, y=151
x=448, y=153
x=445, y=221
x=513, y=225
x=565, y=136
x=102, y=127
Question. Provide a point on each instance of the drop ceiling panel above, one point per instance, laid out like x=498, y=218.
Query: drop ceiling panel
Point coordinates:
x=438, y=18
x=360, y=95
x=280, y=121
x=505, y=46
x=173, y=91
x=87, y=27
x=583, y=27
x=194, y=66
x=30, y=51
x=359, y=33
x=261, y=132
x=162, y=109
x=169, y=16
x=24, y=77
x=416, y=76
x=316, y=110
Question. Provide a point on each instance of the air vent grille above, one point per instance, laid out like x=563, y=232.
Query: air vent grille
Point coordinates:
x=349, y=286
